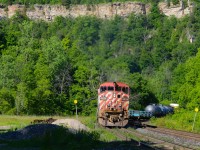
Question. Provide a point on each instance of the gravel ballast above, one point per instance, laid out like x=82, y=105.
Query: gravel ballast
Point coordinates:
x=172, y=139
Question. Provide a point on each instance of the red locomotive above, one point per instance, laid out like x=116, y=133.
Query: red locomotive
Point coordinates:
x=113, y=104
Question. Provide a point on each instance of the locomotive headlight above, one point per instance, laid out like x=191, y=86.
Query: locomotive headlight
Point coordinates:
x=114, y=95
x=103, y=97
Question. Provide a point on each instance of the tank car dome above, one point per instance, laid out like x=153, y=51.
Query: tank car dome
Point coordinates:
x=155, y=110
x=150, y=108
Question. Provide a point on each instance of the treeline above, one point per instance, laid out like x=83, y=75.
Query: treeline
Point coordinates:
x=44, y=66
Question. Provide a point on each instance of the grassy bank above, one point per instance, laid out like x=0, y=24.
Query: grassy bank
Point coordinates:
x=96, y=138
x=21, y=121
x=90, y=121
x=181, y=120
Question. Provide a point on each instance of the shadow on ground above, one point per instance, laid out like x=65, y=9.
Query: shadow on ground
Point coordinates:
x=53, y=137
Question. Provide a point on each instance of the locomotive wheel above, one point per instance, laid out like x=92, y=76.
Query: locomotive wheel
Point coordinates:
x=105, y=122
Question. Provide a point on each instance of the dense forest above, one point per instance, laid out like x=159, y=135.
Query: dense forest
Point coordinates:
x=45, y=66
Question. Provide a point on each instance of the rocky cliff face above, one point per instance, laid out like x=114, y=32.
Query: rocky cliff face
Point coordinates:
x=49, y=12
x=175, y=10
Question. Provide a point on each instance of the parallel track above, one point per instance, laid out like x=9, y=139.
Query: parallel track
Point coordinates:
x=177, y=133
x=120, y=133
x=145, y=141
x=154, y=143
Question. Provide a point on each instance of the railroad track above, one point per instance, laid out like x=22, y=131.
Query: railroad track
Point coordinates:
x=122, y=135
x=183, y=138
x=177, y=133
x=153, y=142
x=178, y=137
x=118, y=134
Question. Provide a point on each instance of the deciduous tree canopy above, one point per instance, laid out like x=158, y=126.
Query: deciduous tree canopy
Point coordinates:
x=45, y=66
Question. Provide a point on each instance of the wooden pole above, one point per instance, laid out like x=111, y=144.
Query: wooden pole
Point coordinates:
x=76, y=113
x=194, y=120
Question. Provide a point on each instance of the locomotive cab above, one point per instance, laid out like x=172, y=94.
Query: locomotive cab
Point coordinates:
x=113, y=103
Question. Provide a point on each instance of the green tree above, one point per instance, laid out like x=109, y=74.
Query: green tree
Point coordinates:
x=187, y=88
x=141, y=96
x=66, y=3
x=7, y=101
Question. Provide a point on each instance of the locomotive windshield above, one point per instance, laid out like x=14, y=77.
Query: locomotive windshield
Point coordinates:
x=110, y=88
x=125, y=90
x=103, y=88
x=118, y=88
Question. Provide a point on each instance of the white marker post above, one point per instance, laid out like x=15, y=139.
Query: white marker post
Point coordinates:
x=196, y=110
x=75, y=102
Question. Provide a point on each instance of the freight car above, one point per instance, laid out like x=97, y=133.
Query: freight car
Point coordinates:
x=113, y=104
x=159, y=110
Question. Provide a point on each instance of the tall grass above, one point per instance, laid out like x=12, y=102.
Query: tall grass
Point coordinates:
x=181, y=120
x=58, y=139
x=96, y=137
x=20, y=121
x=17, y=122
x=91, y=122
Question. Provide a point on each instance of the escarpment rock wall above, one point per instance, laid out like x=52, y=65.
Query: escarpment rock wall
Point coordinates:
x=104, y=11
x=175, y=10
x=49, y=12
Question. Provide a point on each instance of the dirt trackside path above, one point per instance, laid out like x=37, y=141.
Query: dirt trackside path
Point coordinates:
x=72, y=124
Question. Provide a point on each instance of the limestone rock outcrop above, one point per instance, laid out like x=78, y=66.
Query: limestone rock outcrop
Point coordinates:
x=104, y=11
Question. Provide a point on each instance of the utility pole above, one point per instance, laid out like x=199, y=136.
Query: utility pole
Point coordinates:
x=196, y=111
x=75, y=102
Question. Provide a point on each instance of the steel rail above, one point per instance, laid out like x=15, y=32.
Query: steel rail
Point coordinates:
x=154, y=142
x=177, y=133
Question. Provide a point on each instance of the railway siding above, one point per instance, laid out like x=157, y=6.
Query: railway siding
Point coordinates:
x=153, y=142
x=145, y=141
x=123, y=135
x=172, y=137
x=181, y=134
